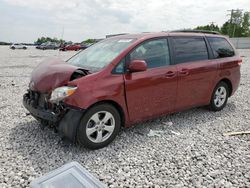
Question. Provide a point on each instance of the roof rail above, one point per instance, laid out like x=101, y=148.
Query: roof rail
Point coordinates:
x=197, y=31
x=114, y=35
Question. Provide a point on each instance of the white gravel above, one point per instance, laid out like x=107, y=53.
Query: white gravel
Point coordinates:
x=189, y=151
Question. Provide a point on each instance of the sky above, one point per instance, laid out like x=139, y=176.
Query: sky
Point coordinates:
x=78, y=20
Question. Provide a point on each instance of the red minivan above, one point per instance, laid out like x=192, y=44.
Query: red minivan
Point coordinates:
x=132, y=78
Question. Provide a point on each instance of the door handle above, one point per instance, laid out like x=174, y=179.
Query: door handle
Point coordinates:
x=170, y=74
x=183, y=72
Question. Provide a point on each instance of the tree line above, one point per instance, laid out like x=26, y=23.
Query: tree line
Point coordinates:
x=238, y=25
x=60, y=41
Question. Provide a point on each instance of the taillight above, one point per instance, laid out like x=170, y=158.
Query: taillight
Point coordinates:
x=240, y=62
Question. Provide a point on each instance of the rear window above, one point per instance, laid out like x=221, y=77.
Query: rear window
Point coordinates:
x=221, y=47
x=188, y=49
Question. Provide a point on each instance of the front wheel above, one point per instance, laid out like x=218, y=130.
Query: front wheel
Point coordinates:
x=99, y=126
x=220, y=96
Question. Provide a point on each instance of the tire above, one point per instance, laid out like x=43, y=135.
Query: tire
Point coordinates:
x=219, y=97
x=24, y=48
x=93, y=132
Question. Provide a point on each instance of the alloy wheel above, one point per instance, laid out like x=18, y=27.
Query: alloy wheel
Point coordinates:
x=220, y=96
x=100, y=126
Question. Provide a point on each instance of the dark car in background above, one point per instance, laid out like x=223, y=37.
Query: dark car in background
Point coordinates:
x=48, y=46
x=132, y=78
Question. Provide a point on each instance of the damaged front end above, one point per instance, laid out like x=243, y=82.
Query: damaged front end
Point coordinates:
x=39, y=106
x=47, y=89
x=61, y=117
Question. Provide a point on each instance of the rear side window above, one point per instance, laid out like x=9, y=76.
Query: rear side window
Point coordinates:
x=221, y=47
x=154, y=52
x=188, y=49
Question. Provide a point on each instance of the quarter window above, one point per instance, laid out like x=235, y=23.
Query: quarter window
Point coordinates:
x=154, y=52
x=220, y=46
x=189, y=49
x=120, y=67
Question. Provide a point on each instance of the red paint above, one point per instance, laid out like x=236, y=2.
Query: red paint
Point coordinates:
x=137, y=66
x=196, y=83
x=151, y=93
x=51, y=74
x=71, y=47
x=146, y=94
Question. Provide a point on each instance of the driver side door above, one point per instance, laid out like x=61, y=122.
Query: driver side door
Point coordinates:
x=151, y=93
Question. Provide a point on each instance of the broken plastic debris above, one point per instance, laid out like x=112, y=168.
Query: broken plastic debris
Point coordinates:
x=176, y=133
x=159, y=133
x=170, y=123
x=236, y=133
x=155, y=133
x=69, y=175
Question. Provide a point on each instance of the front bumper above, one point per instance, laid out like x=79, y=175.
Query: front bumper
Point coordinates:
x=39, y=108
x=65, y=118
x=40, y=113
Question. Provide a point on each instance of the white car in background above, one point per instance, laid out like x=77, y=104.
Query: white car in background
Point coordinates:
x=18, y=46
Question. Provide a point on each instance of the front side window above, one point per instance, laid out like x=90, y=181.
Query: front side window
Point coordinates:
x=101, y=54
x=188, y=49
x=220, y=46
x=120, y=67
x=154, y=52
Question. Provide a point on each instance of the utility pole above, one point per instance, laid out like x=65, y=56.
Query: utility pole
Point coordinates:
x=61, y=41
x=232, y=11
x=213, y=25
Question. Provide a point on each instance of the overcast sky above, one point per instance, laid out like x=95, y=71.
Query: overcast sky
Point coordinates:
x=26, y=20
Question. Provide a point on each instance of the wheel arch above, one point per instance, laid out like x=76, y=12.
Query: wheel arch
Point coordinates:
x=69, y=124
x=229, y=83
x=114, y=104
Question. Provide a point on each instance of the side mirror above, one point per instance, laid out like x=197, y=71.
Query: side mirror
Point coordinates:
x=137, y=66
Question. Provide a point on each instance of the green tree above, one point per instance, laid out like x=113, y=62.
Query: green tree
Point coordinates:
x=89, y=41
x=246, y=24
x=211, y=27
x=48, y=39
x=235, y=29
x=224, y=28
x=238, y=25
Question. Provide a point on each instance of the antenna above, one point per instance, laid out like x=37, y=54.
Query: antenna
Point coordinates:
x=59, y=53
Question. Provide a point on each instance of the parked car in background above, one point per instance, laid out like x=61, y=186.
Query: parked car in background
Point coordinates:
x=84, y=46
x=74, y=47
x=48, y=45
x=18, y=46
x=132, y=78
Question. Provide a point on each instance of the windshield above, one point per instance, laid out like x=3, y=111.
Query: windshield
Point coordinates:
x=100, y=54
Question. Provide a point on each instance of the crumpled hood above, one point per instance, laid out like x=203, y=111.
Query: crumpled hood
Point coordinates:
x=51, y=74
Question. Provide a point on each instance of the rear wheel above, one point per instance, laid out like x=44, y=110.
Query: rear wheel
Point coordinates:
x=220, y=96
x=99, y=126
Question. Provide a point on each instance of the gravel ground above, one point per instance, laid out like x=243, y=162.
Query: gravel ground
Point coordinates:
x=190, y=152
